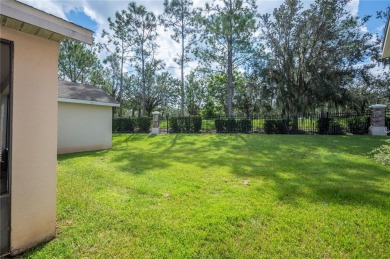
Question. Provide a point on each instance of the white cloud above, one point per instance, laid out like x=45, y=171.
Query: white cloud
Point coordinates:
x=353, y=7
x=49, y=6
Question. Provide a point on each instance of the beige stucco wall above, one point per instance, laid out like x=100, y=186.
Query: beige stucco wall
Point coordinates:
x=83, y=127
x=33, y=139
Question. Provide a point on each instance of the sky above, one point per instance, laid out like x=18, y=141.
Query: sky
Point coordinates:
x=93, y=14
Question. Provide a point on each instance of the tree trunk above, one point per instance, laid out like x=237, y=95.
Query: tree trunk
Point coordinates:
x=143, y=110
x=229, y=90
x=121, y=86
x=182, y=67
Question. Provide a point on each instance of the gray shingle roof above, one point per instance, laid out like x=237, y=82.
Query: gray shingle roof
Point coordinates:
x=83, y=92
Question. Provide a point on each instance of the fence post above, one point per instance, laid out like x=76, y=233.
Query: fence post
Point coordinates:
x=156, y=123
x=251, y=118
x=167, y=116
x=378, y=117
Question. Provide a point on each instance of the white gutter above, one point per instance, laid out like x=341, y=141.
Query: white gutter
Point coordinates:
x=66, y=100
x=33, y=16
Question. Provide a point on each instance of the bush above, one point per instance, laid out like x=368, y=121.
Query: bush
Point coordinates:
x=277, y=126
x=225, y=125
x=233, y=126
x=122, y=125
x=185, y=124
x=244, y=126
x=219, y=125
x=196, y=124
x=323, y=125
x=143, y=124
x=335, y=128
x=358, y=125
x=174, y=125
x=230, y=125
x=382, y=154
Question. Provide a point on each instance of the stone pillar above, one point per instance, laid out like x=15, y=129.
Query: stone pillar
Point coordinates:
x=156, y=123
x=378, y=116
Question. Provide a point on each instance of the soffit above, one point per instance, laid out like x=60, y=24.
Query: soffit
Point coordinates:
x=30, y=29
x=22, y=17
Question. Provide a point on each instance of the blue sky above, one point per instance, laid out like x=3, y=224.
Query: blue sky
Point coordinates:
x=366, y=7
x=369, y=7
x=80, y=18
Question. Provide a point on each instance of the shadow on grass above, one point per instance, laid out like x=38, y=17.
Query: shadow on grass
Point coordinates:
x=327, y=169
x=324, y=169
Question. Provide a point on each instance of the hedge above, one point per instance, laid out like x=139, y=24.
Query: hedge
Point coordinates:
x=185, y=124
x=277, y=126
x=129, y=125
x=233, y=126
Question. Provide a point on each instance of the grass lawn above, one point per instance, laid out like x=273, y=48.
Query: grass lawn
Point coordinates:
x=184, y=196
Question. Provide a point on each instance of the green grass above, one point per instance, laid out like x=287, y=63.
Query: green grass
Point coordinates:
x=183, y=196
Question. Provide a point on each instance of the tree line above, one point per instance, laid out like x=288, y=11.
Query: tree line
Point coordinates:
x=234, y=60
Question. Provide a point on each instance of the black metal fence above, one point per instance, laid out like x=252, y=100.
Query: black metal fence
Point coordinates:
x=387, y=121
x=319, y=123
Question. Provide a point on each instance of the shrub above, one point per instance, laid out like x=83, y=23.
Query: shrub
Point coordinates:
x=335, y=128
x=115, y=125
x=323, y=125
x=358, y=124
x=185, y=124
x=123, y=125
x=196, y=123
x=143, y=124
x=174, y=125
x=225, y=125
x=232, y=126
x=382, y=154
x=277, y=126
x=244, y=126
x=219, y=125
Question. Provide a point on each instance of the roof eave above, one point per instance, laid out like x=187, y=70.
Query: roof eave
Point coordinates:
x=67, y=100
x=33, y=16
x=386, y=41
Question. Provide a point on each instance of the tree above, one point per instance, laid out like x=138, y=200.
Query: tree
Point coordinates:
x=195, y=92
x=229, y=27
x=160, y=91
x=142, y=27
x=78, y=62
x=314, y=53
x=120, y=38
x=179, y=17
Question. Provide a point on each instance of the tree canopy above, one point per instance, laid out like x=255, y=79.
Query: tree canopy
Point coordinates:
x=234, y=61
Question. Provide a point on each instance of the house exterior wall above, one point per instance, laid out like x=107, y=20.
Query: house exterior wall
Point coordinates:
x=83, y=127
x=33, y=139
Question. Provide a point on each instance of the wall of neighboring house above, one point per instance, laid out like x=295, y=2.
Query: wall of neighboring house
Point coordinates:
x=83, y=127
x=33, y=139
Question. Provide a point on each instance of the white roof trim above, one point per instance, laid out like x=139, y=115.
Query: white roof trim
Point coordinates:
x=66, y=100
x=33, y=16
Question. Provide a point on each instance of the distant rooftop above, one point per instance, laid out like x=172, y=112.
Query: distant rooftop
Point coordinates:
x=84, y=93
